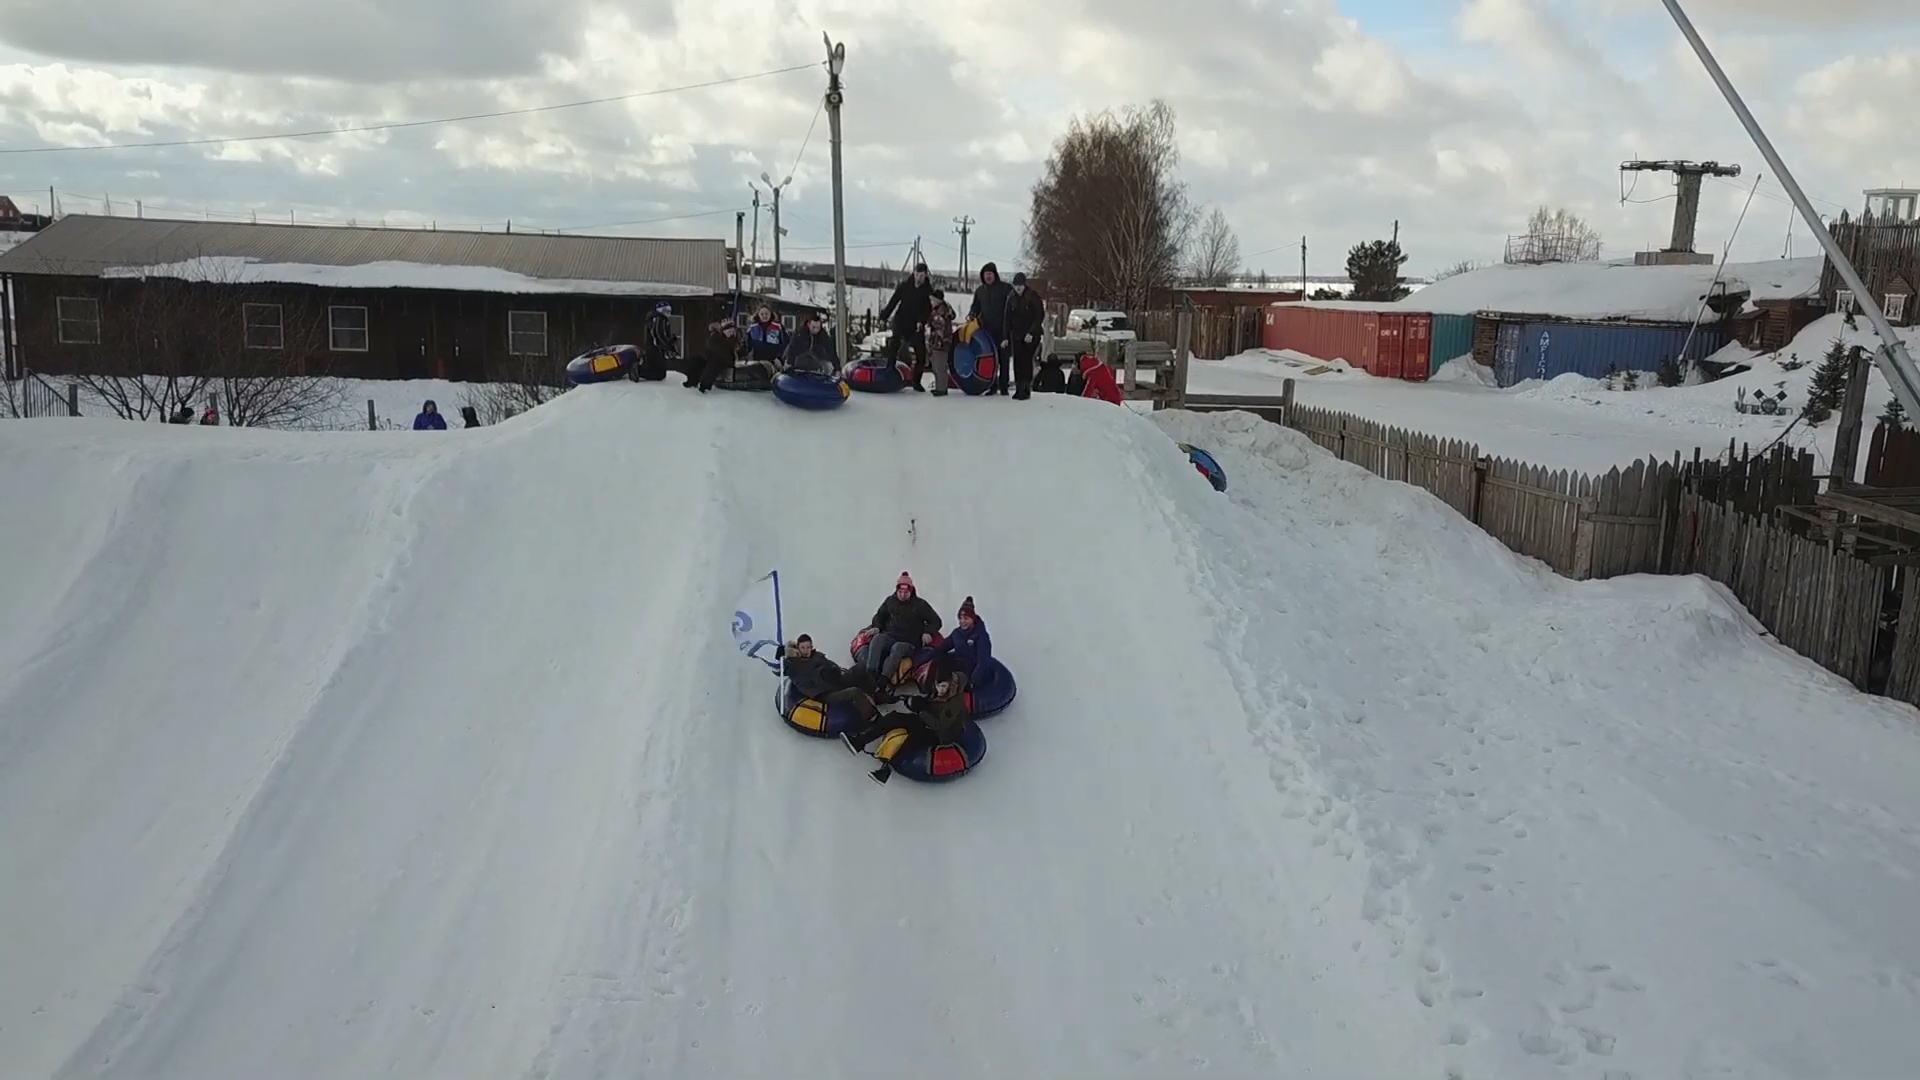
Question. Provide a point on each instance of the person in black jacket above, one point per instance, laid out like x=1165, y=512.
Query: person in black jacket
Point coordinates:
x=1026, y=318
x=810, y=350
x=990, y=307
x=907, y=313
x=819, y=678
x=723, y=350
x=659, y=354
x=904, y=622
x=940, y=720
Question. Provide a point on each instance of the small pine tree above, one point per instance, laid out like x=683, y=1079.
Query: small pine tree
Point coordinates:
x=1633, y=380
x=1669, y=373
x=1894, y=415
x=1829, y=383
x=1374, y=269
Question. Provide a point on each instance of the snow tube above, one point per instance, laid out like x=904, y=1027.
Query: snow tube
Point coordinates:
x=813, y=392
x=988, y=697
x=933, y=764
x=809, y=716
x=1207, y=467
x=603, y=365
x=910, y=668
x=877, y=376
x=974, y=365
x=751, y=375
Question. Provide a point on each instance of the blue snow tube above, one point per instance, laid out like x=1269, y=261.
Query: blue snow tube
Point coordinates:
x=603, y=365
x=1207, y=467
x=811, y=392
x=974, y=365
x=809, y=716
x=988, y=697
x=933, y=764
x=878, y=376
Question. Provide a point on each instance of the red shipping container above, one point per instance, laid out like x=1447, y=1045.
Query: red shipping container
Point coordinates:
x=1386, y=344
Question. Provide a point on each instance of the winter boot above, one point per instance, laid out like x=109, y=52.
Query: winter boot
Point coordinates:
x=881, y=775
x=852, y=747
x=1022, y=394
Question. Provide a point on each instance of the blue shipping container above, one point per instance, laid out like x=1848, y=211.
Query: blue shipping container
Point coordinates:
x=1549, y=350
x=1452, y=338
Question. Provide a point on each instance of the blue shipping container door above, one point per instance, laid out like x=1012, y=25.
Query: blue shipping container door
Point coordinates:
x=1549, y=350
x=1452, y=339
x=1506, y=355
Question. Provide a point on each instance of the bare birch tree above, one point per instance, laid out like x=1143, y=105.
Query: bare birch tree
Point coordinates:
x=1215, y=257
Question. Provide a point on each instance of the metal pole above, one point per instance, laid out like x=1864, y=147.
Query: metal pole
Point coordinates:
x=778, y=286
x=756, y=236
x=1303, y=268
x=739, y=250
x=837, y=59
x=1892, y=359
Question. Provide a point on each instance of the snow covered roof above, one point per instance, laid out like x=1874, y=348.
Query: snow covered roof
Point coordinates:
x=1612, y=290
x=355, y=257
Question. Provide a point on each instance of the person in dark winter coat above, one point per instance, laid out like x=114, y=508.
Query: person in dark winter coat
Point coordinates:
x=1026, y=318
x=903, y=623
x=429, y=418
x=661, y=351
x=810, y=350
x=766, y=337
x=968, y=649
x=1098, y=380
x=723, y=348
x=906, y=314
x=990, y=307
x=469, y=417
x=938, y=721
x=1051, y=378
x=816, y=676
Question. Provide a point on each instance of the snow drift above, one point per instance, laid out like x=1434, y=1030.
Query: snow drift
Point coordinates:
x=428, y=755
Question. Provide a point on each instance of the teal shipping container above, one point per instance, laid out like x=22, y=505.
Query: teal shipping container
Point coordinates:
x=1452, y=338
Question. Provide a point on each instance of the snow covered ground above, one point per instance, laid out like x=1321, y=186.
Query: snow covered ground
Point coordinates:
x=1603, y=290
x=1570, y=422
x=366, y=753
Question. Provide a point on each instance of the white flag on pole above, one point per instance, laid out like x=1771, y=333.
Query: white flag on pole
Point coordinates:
x=757, y=631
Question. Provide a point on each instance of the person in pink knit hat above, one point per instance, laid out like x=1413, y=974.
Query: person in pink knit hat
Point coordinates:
x=903, y=623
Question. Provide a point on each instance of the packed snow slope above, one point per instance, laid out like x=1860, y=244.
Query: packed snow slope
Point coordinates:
x=428, y=755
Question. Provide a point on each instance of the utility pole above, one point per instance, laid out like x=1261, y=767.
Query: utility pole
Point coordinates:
x=965, y=225
x=739, y=251
x=777, y=230
x=1303, y=268
x=1688, y=175
x=756, y=235
x=836, y=60
x=1893, y=360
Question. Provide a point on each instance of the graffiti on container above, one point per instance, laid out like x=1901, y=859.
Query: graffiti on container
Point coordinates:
x=1545, y=340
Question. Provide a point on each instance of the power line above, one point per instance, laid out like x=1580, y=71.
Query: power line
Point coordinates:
x=397, y=125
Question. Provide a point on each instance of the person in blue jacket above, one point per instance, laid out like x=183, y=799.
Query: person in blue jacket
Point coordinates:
x=968, y=649
x=429, y=418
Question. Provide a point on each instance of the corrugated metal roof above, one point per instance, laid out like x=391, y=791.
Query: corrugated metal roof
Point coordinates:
x=87, y=245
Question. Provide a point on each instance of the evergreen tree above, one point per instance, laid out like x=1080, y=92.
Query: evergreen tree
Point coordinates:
x=1374, y=269
x=1894, y=415
x=1669, y=373
x=1829, y=383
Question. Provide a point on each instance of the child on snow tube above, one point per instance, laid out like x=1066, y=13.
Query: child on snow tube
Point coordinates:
x=936, y=743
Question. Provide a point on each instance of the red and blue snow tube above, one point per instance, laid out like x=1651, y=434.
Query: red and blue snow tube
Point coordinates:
x=933, y=764
x=812, y=392
x=879, y=376
x=988, y=697
x=603, y=365
x=1207, y=467
x=809, y=716
x=975, y=364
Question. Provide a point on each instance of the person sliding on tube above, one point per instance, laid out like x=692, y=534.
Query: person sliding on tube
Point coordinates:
x=937, y=722
x=968, y=649
x=810, y=350
x=903, y=623
x=817, y=677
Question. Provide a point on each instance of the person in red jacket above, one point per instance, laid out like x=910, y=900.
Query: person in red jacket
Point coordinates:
x=1099, y=380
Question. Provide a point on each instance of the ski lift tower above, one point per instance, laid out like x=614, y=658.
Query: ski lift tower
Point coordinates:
x=1686, y=212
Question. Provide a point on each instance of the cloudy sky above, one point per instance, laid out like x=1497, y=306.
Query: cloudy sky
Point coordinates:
x=1328, y=118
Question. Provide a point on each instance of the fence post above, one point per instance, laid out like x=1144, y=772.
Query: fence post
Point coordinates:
x=1846, y=442
x=73, y=399
x=372, y=425
x=1583, y=538
x=1481, y=465
x=1183, y=337
x=1286, y=403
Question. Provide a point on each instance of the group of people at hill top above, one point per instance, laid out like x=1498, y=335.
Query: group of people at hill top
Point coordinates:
x=883, y=673
x=920, y=322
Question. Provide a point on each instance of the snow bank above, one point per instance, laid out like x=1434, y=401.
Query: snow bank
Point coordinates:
x=1610, y=290
x=394, y=275
x=1462, y=369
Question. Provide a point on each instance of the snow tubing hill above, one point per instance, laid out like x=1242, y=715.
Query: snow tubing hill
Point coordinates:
x=877, y=376
x=933, y=764
x=809, y=716
x=751, y=375
x=1207, y=467
x=603, y=365
x=812, y=392
x=974, y=365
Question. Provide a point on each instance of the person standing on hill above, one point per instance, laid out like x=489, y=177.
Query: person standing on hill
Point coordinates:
x=906, y=314
x=723, y=348
x=990, y=307
x=939, y=342
x=1026, y=318
x=661, y=350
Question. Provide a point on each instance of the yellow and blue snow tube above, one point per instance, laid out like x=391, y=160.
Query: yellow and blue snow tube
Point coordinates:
x=933, y=764
x=809, y=716
x=603, y=365
x=812, y=392
x=976, y=362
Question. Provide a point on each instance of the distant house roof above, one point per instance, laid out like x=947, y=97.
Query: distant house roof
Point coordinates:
x=354, y=257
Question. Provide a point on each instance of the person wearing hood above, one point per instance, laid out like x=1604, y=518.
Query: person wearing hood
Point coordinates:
x=723, y=349
x=990, y=307
x=939, y=342
x=1099, y=381
x=810, y=350
x=767, y=338
x=906, y=314
x=968, y=649
x=659, y=354
x=903, y=623
x=429, y=418
x=940, y=720
x=1026, y=318
x=816, y=676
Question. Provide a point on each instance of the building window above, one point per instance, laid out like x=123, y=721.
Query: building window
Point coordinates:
x=1896, y=307
x=263, y=326
x=79, y=318
x=526, y=333
x=1843, y=302
x=786, y=321
x=679, y=323
x=347, y=329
